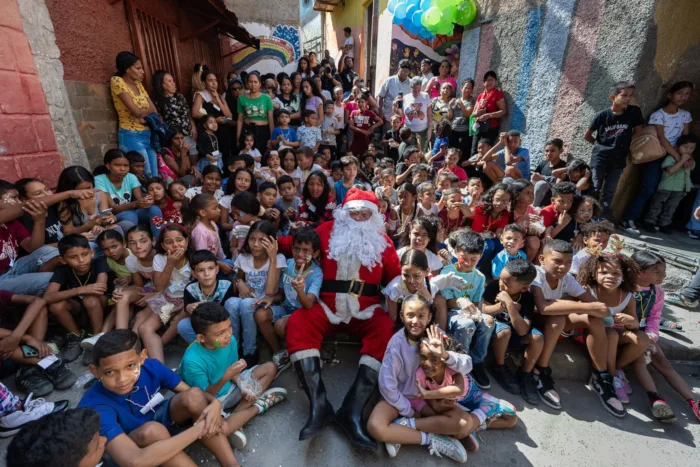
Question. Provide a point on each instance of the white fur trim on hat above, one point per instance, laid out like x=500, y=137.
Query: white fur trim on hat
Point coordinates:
x=360, y=203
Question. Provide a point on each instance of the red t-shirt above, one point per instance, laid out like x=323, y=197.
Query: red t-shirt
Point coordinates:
x=489, y=101
x=458, y=171
x=362, y=121
x=11, y=235
x=483, y=222
x=549, y=215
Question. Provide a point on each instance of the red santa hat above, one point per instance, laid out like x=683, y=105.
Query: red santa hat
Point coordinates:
x=357, y=199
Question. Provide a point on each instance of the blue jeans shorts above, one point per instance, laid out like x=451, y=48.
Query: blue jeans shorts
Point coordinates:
x=162, y=416
x=516, y=341
x=280, y=311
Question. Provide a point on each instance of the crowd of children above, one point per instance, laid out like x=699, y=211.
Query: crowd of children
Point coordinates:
x=498, y=255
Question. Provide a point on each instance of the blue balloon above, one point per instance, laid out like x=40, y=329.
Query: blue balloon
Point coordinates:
x=425, y=4
x=400, y=12
x=391, y=6
x=413, y=2
x=415, y=18
x=406, y=22
x=409, y=12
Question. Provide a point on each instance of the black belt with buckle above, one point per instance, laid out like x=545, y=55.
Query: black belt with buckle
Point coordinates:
x=355, y=288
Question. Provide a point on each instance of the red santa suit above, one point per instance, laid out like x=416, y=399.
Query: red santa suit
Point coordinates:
x=358, y=312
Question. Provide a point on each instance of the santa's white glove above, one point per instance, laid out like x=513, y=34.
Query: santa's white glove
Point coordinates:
x=449, y=281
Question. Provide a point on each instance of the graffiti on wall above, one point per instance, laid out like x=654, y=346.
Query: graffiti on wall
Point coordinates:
x=280, y=49
x=405, y=45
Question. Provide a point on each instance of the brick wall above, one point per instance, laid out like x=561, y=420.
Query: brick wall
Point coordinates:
x=27, y=142
x=95, y=116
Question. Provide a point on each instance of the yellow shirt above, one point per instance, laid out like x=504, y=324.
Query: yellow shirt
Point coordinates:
x=126, y=118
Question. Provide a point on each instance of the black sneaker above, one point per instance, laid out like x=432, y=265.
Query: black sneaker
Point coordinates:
x=666, y=229
x=72, y=350
x=649, y=227
x=32, y=379
x=545, y=387
x=528, y=388
x=480, y=377
x=602, y=385
x=505, y=378
x=60, y=375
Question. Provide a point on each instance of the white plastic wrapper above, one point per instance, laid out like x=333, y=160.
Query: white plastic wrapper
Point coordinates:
x=162, y=307
x=249, y=385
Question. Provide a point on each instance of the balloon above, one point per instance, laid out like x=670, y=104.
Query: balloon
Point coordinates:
x=446, y=29
x=455, y=3
x=416, y=3
x=442, y=4
x=432, y=16
x=425, y=4
x=466, y=13
x=400, y=12
x=448, y=14
x=409, y=12
x=391, y=6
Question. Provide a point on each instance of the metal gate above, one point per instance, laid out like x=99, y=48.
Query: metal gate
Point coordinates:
x=208, y=50
x=155, y=42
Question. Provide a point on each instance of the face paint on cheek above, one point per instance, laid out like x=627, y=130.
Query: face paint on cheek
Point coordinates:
x=137, y=372
x=217, y=344
x=618, y=282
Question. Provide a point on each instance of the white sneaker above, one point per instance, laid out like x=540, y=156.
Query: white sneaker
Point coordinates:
x=89, y=343
x=445, y=445
x=391, y=448
x=630, y=228
x=238, y=439
x=33, y=409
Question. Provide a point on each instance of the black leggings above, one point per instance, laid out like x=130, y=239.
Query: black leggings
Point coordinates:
x=462, y=141
x=262, y=135
x=491, y=134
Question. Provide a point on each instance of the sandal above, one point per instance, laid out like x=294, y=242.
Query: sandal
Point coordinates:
x=672, y=326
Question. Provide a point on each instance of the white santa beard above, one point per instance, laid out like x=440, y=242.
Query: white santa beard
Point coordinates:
x=359, y=241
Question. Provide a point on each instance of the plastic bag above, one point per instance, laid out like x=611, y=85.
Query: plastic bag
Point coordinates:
x=162, y=307
x=249, y=385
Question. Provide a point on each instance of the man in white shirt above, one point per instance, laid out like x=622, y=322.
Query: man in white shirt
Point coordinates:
x=392, y=87
x=416, y=108
x=349, y=45
x=426, y=73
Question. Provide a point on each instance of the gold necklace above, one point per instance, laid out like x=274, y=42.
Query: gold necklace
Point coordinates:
x=81, y=282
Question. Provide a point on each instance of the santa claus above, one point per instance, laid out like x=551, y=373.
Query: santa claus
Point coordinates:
x=356, y=258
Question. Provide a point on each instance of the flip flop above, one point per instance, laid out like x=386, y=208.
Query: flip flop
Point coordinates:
x=670, y=326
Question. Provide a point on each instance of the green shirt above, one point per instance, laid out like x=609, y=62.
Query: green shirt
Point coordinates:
x=475, y=285
x=201, y=367
x=255, y=109
x=677, y=181
x=121, y=270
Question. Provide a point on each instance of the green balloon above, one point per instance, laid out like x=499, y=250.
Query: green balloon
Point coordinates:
x=446, y=29
x=449, y=14
x=442, y=4
x=431, y=17
x=466, y=13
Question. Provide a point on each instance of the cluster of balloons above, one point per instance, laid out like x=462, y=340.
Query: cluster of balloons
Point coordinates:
x=427, y=18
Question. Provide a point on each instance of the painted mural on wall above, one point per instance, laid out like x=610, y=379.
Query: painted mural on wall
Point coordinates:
x=280, y=49
x=405, y=45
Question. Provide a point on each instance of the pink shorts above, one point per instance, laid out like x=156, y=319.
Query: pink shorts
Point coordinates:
x=417, y=404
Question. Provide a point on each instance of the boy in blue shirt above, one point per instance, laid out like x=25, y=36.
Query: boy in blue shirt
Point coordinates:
x=141, y=426
x=211, y=364
x=512, y=239
x=467, y=324
x=283, y=134
x=299, y=287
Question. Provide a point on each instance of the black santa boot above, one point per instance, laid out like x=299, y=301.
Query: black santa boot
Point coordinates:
x=320, y=410
x=349, y=417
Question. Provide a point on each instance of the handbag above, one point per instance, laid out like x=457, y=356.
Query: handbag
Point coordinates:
x=645, y=147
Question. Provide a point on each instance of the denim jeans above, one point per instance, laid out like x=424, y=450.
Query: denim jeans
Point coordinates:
x=140, y=141
x=128, y=219
x=475, y=337
x=243, y=322
x=23, y=278
x=184, y=326
x=693, y=223
x=651, y=176
x=692, y=290
x=492, y=246
x=605, y=175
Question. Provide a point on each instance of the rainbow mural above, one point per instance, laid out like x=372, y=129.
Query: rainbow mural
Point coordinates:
x=283, y=45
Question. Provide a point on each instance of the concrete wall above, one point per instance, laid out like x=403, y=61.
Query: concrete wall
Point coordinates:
x=27, y=142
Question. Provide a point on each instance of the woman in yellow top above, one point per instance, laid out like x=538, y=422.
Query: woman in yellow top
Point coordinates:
x=133, y=105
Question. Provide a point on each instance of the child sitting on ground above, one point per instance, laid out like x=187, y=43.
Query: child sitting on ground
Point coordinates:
x=131, y=407
x=211, y=364
x=512, y=239
x=205, y=288
x=82, y=284
x=584, y=209
x=451, y=161
x=388, y=182
x=509, y=300
x=556, y=217
x=491, y=217
x=288, y=201
x=523, y=213
x=649, y=300
x=299, y=288
x=595, y=238
x=426, y=197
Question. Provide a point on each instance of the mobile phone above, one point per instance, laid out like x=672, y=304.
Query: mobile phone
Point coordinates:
x=105, y=212
x=29, y=352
